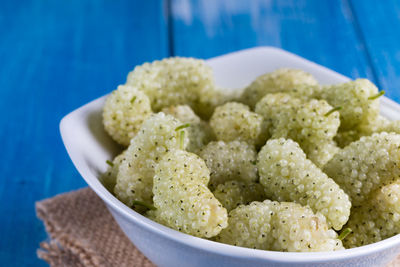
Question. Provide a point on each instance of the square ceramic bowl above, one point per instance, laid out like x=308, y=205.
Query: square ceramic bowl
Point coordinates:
x=89, y=147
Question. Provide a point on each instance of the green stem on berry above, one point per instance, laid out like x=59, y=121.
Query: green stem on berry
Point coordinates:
x=345, y=232
x=144, y=204
x=381, y=93
x=332, y=110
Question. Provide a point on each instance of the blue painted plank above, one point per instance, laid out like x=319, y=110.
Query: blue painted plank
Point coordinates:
x=379, y=26
x=56, y=56
x=321, y=31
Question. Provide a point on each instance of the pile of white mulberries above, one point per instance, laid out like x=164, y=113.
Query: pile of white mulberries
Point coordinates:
x=281, y=226
x=311, y=123
x=158, y=135
x=288, y=165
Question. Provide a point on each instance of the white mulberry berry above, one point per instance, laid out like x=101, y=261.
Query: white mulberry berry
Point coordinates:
x=288, y=175
x=181, y=196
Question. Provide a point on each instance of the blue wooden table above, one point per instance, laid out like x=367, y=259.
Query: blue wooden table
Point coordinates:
x=57, y=55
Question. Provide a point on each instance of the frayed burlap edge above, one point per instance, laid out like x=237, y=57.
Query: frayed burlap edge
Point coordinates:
x=63, y=248
x=83, y=232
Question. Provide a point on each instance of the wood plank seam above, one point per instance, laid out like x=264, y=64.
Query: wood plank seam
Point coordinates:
x=360, y=35
x=170, y=27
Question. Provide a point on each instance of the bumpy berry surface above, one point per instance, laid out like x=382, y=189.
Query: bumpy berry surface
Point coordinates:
x=183, y=113
x=156, y=137
x=109, y=178
x=376, y=219
x=387, y=200
x=377, y=125
x=124, y=112
x=344, y=138
x=321, y=153
x=210, y=98
x=353, y=97
x=288, y=175
x=364, y=165
x=280, y=80
x=234, y=121
x=380, y=124
x=307, y=122
x=200, y=132
x=391, y=126
x=305, y=91
x=231, y=194
x=182, y=198
x=277, y=110
x=230, y=161
x=171, y=81
x=285, y=226
x=178, y=80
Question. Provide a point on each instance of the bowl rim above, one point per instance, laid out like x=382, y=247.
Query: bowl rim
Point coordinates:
x=204, y=244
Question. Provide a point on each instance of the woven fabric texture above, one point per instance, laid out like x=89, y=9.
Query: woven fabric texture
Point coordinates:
x=83, y=233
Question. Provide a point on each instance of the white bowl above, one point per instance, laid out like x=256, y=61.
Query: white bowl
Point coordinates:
x=89, y=147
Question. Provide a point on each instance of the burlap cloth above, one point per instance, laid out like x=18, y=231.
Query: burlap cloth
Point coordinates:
x=83, y=233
